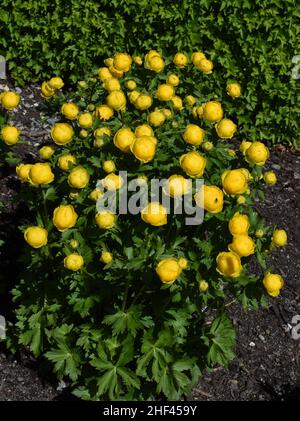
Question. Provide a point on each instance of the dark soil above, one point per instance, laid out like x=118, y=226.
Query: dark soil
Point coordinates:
x=267, y=362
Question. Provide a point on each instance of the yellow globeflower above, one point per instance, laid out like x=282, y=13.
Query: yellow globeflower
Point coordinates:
x=207, y=146
x=112, y=84
x=200, y=111
x=109, y=61
x=130, y=84
x=104, y=112
x=10, y=135
x=123, y=139
x=106, y=257
x=155, y=63
x=183, y=262
x=177, y=102
x=155, y=214
x=226, y=128
x=46, y=91
x=104, y=73
x=144, y=148
x=41, y=173
x=234, y=182
x=116, y=100
x=167, y=113
x=279, y=238
x=122, y=62
x=180, y=60
x=113, y=181
x=105, y=219
x=257, y=153
x=143, y=130
x=46, y=151
x=138, y=60
x=211, y=198
x=173, y=80
x=193, y=164
x=229, y=264
x=197, y=57
x=143, y=102
x=270, y=178
x=115, y=72
x=177, y=186
x=10, y=100
x=64, y=217
x=203, y=286
x=66, y=161
x=36, y=237
x=95, y=195
x=109, y=166
x=212, y=111
x=190, y=100
x=234, y=90
x=78, y=178
x=85, y=120
x=133, y=96
x=156, y=118
x=273, y=283
x=73, y=262
x=193, y=134
x=22, y=171
x=101, y=132
x=243, y=245
x=206, y=66
x=244, y=146
x=70, y=110
x=56, y=82
x=168, y=270
x=62, y=133
x=165, y=92
x=239, y=224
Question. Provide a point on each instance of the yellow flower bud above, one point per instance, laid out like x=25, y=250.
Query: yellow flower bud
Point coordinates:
x=36, y=237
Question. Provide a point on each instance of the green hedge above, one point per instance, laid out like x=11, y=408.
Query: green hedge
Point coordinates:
x=251, y=41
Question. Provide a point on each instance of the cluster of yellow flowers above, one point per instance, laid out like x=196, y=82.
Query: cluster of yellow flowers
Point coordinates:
x=9, y=101
x=142, y=143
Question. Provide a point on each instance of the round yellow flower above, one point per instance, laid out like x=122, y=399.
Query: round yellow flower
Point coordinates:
x=116, y=100
x=78, y=178
x=155, y=63
x=156, y=118
x=109, y=166
x=183, y=262
x=41, y=173
x=66, y=161
x=211, y=198
x=168, y=270
x=104, y=112
x=106, y=257
x=193, y=164
x=115, y=72
x=143, y=102
x=95, y=195
x=74, y=243
x=105, y=219
x=10, y=135
x=155, y=214
x=64, y=217
x=22, y=171
x=130, y=84
x=241, y=200
x=109, y=61
x=234, y=90
x=46, y=152
x=122, y=62
x=123, y=139
x=144, y=148
x=138, y=60
x=101, y=132
x=167, y=113
x=243, y=245
x=193, y=134
x=270, y=178
x=85, y=120
x=200, y=111
x=279, y=238
x=234, y=182
x=36, y=237
x=180, y=60
x=203, y=286
x=177, y=102
x=104, y=73
x=10, y=100
x=206, y=66
x=212, y=111
x=239, y=224
x=177, y=186
x=112, y=84
x=244, y=146
x=143, y=130
x=73, y=262
x=133, y=96
x=197, y=57
x=113, y=181
x=257, y=153
x=229, y=264
x=207, y=146
x=62, y=133
x=165, y=92
x=46, y=91
x=56, y=82
x=173, y=80
x=190, y=100
x=70, y=110
x=226, y=128
x=273, y=283
x=259, y=233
